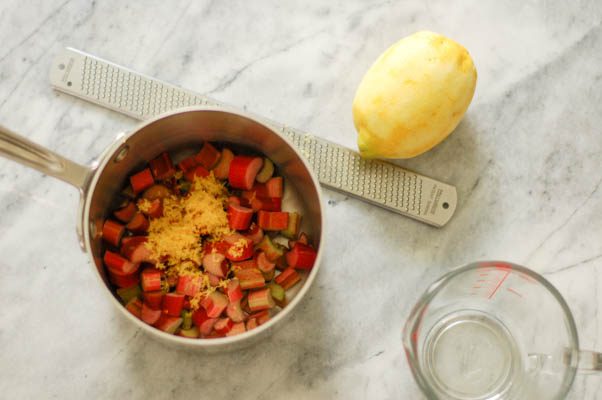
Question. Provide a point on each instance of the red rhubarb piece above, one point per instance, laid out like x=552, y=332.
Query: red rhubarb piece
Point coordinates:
x=134, y=306
x=199, y=316
x=187, y=164
x=265, y=265
x=272, y=188
x=168, y=324
x=214, y=280
x=223, y=325
x=239, y=218
x=261, y=317
x=272, y=220
x=287, y=278
x=250, y=278
x=207, y=326
x=215, y=303
x=239, y=250
x=234, y=312
x=123, y=281
x=149, y=314
x=154, y=299
x=142, y=180
x=197, y=172
x=216, y=264
x=119, y=265
x=237, y=329
x=138, y=224
x=189, y=284
x=222, y=168
x=234, y=291
x=251, y=324
x=125, y=214
x=254, y=233
x=266, y=203
x=243, y=170
x=155, y=210
x=156, y=192
x=208, y=156
x=220, y=247
x=150, y=279
x=261, y=300
x=134, y=249
x=233, y=200
x=172, y=304
x=246, y=264
x=112, y=232
x=161, y=167
x=301, y=256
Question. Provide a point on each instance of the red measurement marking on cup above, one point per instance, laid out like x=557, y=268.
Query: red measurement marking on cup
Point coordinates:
x=499, y=284
x=514, y=291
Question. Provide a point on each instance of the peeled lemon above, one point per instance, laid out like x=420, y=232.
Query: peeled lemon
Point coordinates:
x=413, y=96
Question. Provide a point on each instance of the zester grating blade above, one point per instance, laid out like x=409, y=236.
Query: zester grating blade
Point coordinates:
x=381, y=183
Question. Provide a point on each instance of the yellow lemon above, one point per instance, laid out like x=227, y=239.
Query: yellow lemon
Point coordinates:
x=413, y=96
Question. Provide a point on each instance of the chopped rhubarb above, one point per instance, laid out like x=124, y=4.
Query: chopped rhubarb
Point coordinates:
x=192, y=332
x=273, y=188
x=208, y=156
x=222, y=168
x=214, y=280
x=240, y=250
x=149, y=314
x=189, y=284
x=207, y=326
x=126, y=213
x=187, y=164
x=138, y=224
x=277, y=291
x=220, y=247
x=128, y=293
x=294, y=222
x=142, y=180
x=155, y=209
x=260, y=300
x=272, y=250
x=154, y=299
x=216, y=264
x=303, y=238
x=233, y=200
x=112, y=232
x=172, y=304
x=234, y=291
x=301, y=256
x=118, y=265
x=261, y=317
x=254, y=233
x=266, y=203
x=134, y=306
x=133, y=249
x=234, y=312
x=215, y=303
x=197, y=172
x=265, y=265
x=288, y=278
x=237, y=329
x=150, y=279
x=239, y=218
x=272, y=220
x=168, y=324
x=156, y=192
x=266, y=171
x=243, y=170
x=251, y=324
x=251, y=263
x=199, y=316
x=123, y=280
x=223, y=325
x=162, y=167
x=250, y=278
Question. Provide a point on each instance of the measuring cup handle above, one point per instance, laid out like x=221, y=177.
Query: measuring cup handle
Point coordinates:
x=590, y=361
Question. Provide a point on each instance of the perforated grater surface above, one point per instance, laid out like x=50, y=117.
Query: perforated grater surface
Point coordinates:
x=381, y=183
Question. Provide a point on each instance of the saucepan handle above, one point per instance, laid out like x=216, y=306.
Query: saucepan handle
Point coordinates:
x=25, y=152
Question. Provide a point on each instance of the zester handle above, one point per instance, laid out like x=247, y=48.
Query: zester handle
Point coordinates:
x=381, y=183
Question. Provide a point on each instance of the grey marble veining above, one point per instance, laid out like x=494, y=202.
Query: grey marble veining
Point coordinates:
x=527, y=162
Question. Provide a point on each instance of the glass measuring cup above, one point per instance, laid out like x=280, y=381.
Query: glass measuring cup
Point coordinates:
x=494, y=330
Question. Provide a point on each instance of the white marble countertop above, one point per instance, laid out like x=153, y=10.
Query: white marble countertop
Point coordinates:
x=526, y=160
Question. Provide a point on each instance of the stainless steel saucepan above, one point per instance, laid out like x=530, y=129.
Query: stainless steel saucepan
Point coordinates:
x=176, y=132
